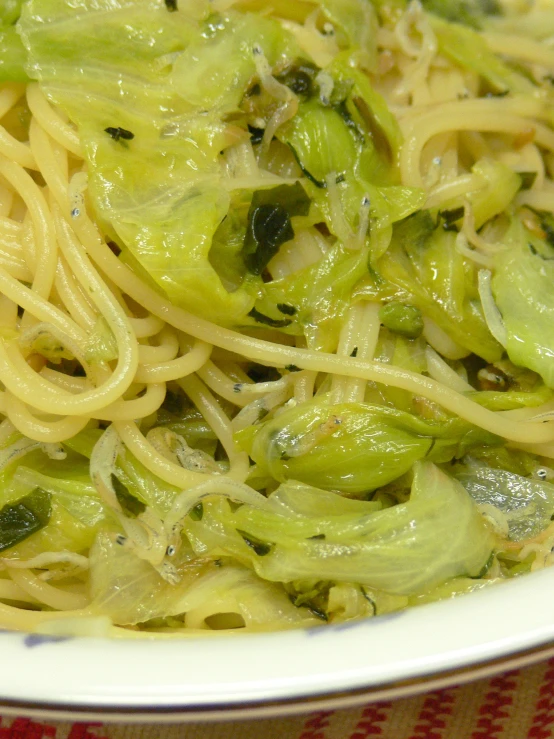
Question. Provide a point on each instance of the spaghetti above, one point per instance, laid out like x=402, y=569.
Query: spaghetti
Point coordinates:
x=159, y=463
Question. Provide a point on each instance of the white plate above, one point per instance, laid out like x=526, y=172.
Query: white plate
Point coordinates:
x=243, y=675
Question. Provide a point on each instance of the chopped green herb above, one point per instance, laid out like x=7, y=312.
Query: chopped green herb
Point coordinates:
x=414, y=231
x=288, y=310
x=171, y=5
x=527, y=179
x=260, y=548
x=197, y=513
x=261, y=373
x=273, y=322
x=451, y=216
x=131, y=506
x=293, y=368
x=19, y=520
x=354, y=352
x=269, y=228
x=173, y=403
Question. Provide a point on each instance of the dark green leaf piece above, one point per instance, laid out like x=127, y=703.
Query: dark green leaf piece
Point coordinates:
x=19, y=520
x=131, y=505
x=268, y=321
x=414, y=231
x=197, y=513
x=269, y=225
x=261, y=548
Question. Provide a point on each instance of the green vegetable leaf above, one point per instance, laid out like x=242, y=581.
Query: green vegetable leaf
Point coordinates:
x=429, y=273
x=468, y=49
x=321, y=141
x=320, y=293
x=13, y=55
x=405, y=320
x=157, y=76
x=404, y=550
x=527, y=504
x=522, y=287
x=269, y=223
x=131, y=506
x=469, y=12
x=498, y=186
x=356, y=22
x=10, y=11
x=370, y=106
x=20, y=520
x=352, y=447
x=131, y=591
x=215, y=69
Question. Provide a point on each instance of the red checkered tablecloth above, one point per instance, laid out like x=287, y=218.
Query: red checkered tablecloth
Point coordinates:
x=515, y=705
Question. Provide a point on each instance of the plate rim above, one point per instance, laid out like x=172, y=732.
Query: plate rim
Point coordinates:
x=485, y=632
x=284, y=707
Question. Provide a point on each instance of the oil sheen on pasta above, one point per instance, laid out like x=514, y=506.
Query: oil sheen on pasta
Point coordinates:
x=276, y=309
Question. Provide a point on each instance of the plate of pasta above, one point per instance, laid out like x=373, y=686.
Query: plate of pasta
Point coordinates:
x=276, y=345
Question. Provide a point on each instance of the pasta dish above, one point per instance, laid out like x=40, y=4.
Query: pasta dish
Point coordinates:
x=276, y=309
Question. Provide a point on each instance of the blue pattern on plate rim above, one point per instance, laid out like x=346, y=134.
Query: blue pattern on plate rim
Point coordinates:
x=37, y=640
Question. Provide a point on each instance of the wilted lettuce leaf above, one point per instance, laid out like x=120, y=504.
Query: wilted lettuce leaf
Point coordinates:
x=321, y=294
x=352, y=447
x=368, y=107
x=527, y=503
x=355, y=138
x=469, y=12
x=147, y=488
x=423, y=268
x=153, y=74
x=467, y=48
x=234, y=589
x=215, y=68
x=452, y=589
x=77, y=513
x=511, y=399
x=496, y=187
x=438, y=534
x=12, y=52
x=357, y=22
x=321, y=140
x=522, y=287
x=13, y=56
x=129, y=590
